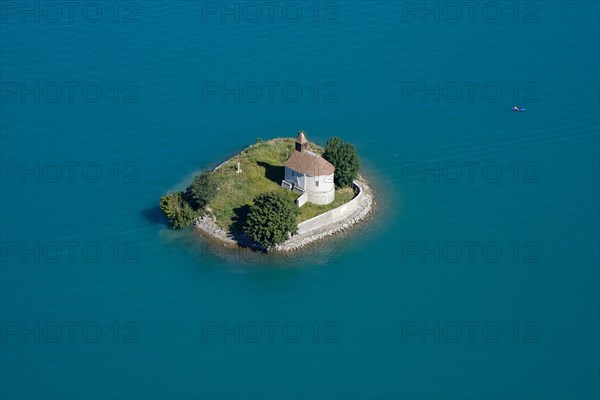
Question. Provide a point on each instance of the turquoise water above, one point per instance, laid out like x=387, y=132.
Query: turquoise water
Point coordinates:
x=476, y=278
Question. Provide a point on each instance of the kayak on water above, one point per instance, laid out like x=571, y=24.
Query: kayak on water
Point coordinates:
x=515, y=108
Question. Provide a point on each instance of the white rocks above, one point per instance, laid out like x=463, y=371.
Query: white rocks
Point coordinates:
x=360, y=213
x=209, y=227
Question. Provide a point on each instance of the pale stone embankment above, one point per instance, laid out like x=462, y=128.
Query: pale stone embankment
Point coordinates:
x=314, y=229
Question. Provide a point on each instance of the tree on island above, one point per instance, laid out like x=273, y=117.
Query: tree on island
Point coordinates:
x=344, y=157
x=178, y=210
x=272, y=218
x=203, y=189
x=182, y=208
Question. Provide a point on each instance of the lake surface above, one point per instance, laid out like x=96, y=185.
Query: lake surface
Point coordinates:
x=477, y=277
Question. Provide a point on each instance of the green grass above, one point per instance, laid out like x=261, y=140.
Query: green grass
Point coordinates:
x=310, y=210
x=262, y=167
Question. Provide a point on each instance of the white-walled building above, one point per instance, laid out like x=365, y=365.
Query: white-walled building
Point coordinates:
x=310, y=174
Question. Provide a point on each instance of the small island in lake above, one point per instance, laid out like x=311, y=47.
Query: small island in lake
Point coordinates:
x=280, y=194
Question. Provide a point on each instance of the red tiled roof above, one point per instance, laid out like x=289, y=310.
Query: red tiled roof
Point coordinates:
x=309, y=163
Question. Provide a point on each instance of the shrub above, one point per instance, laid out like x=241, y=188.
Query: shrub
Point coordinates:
x=272, y=218
x=177, y=210
x=344, y=158
x=203, y=189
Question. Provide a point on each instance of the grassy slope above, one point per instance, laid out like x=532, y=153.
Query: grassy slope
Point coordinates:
x=262, y=171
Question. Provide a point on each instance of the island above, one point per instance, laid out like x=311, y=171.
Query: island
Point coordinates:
x=275, y=195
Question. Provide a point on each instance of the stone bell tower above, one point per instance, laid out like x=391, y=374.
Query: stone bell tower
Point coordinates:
x=301, y=142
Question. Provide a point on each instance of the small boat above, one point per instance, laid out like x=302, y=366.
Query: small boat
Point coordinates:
x=517, y=109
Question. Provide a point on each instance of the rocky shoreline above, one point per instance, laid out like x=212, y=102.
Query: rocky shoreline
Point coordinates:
x=208, y=227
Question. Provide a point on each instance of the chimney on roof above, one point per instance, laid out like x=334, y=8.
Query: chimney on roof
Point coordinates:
x=301, y=141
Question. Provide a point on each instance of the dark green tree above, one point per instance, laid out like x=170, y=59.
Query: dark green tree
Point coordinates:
x=203, y=189
x=177, y=210
x=344, y=157
x=272, y=218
